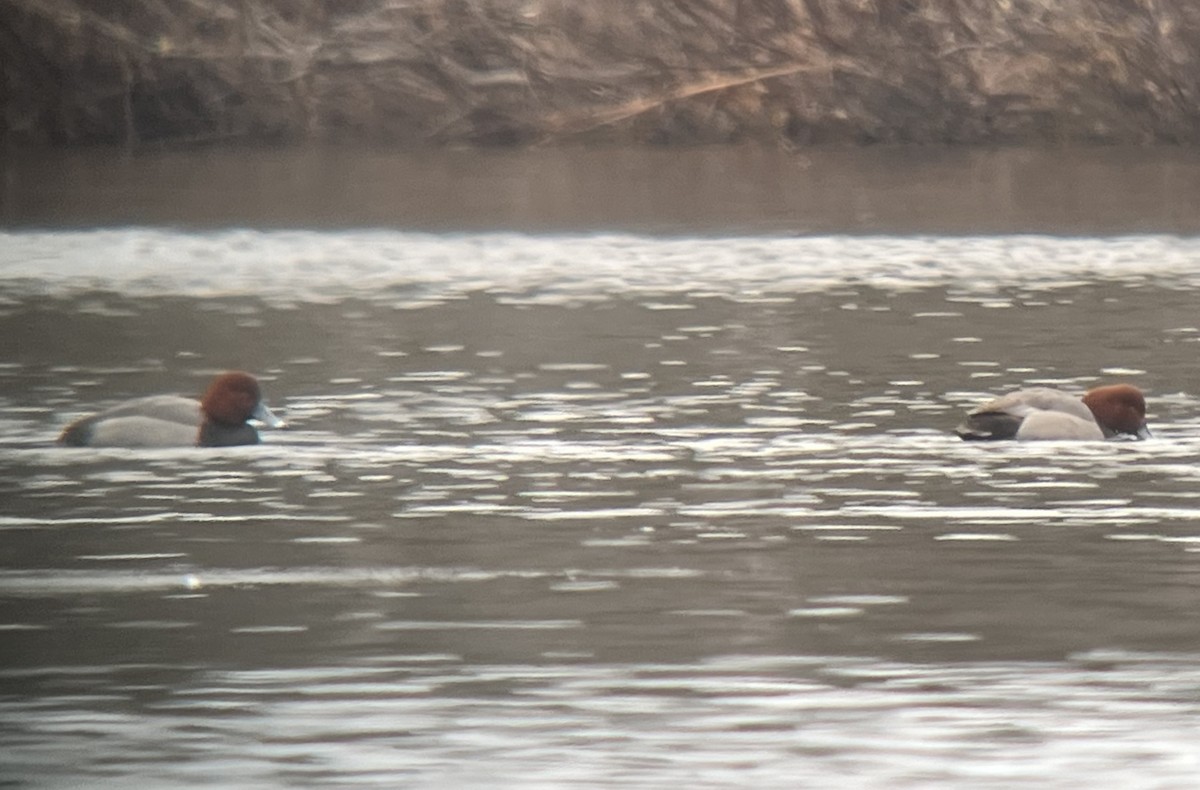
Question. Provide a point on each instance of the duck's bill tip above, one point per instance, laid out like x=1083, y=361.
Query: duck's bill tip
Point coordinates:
x=267, y=417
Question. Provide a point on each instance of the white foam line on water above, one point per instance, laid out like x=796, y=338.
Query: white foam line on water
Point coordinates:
x=1149, y=514
x=71, y=582
x=18, y=522
x=447, y=625
x=383, y=265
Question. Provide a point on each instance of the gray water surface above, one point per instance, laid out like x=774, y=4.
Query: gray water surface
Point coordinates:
x=707, y=191
x=598, y=510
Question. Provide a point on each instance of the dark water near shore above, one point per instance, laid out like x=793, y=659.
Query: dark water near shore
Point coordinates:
x=702, y=191
x=582, y=504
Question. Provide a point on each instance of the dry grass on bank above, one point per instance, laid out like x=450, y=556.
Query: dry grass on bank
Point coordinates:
x=518, y=71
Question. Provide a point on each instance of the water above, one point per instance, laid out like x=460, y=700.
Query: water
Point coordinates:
x=597, y=509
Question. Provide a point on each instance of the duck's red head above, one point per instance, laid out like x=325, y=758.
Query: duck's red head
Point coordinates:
x=231, y=398
x=1119, y=408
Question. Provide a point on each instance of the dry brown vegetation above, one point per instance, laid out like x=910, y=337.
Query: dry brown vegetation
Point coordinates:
x=519, y=71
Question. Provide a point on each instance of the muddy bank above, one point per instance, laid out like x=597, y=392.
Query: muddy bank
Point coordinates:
x=437, y=72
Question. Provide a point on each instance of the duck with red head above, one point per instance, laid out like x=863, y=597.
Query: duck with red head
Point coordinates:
x=1044, y=413
x=219, y=419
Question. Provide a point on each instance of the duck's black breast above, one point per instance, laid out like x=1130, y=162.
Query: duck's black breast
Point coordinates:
x=214, y=434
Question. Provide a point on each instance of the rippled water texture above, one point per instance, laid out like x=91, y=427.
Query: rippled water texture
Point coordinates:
x=599, y=511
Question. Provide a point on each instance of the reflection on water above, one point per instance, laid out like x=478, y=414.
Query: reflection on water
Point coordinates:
x=603, y=510
x=432, y=720
x=708, y=190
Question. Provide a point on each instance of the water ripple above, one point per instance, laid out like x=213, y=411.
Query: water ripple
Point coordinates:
x=416, y=270
x=686, y=510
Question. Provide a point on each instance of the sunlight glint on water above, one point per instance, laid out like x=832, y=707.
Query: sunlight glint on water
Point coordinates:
x=598, y=510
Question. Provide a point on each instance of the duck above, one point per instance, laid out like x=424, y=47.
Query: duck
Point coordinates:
x=218, y=419
x=1044, y=413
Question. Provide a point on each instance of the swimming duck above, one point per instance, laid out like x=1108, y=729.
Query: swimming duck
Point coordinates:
x=1044, y=413
x=216, y=420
